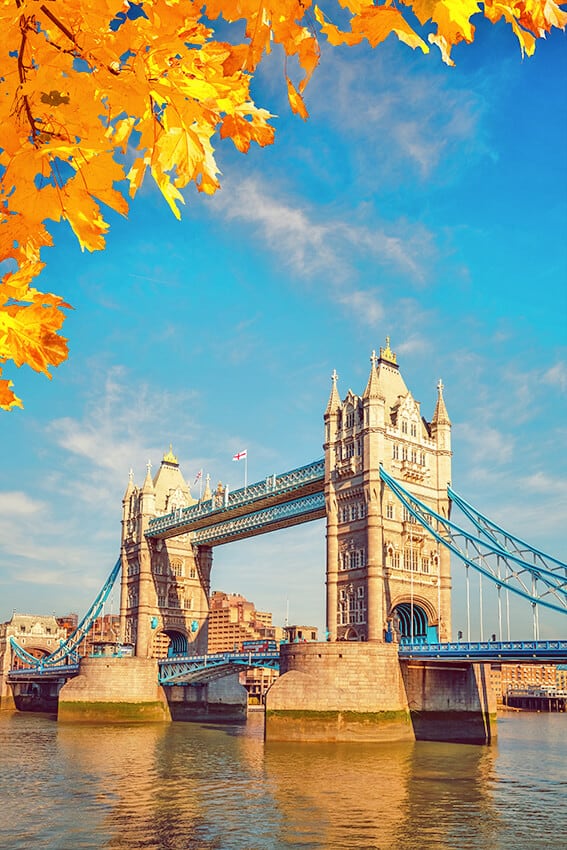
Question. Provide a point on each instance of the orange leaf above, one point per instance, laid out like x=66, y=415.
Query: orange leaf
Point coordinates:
x=296, y=100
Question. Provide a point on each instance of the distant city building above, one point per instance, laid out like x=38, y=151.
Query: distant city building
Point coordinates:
x=298, y=634
x=233, y=619
x=523, y=677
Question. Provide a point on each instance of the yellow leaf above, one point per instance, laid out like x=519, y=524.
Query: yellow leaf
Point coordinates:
x=8, y=399
x=296, y=100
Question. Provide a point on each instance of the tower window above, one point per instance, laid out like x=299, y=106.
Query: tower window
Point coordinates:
x=389, y=511
x=413, y=429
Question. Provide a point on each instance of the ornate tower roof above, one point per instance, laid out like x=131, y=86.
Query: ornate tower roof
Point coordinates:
x=170, y=458
x=148, y=485
x=392, y=385
x=130, y=487
x=172, y=491
x=373, y=386
x=334, y=402
x=440, y=417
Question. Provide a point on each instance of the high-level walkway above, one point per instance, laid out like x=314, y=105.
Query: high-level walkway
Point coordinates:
x=276, y=502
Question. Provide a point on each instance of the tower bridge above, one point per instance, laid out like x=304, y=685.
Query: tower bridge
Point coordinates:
x=384, y=488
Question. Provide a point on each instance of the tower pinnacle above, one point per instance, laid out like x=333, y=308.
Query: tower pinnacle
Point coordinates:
x=334, y=401
x=440, y=417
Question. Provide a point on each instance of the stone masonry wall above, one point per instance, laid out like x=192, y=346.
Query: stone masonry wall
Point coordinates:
x=338, y=692
x=114, y=690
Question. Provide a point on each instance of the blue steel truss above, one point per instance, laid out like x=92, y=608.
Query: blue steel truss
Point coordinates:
x=67, y=652
x=528, y=650
x=274, y=488
x=269, y=519
x=541, y=585
x=65, y=671
x=193, y=669
x=504, y=539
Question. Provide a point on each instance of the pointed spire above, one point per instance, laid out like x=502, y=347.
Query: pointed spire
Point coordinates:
x=130, y=487
x=207, y=494
x=373, y=386
x=334, y=401
x=440, y=417
x=148, y=486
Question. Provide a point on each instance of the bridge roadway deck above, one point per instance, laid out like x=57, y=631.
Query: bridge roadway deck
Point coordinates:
x=198, y=668
x=275, y=490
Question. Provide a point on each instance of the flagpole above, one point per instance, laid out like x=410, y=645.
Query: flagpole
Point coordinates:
x=246, y=472
x=200, y=485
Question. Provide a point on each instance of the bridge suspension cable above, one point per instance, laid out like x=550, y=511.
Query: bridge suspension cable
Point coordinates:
x=504, y=539
x=542, y=583
x=68, y=649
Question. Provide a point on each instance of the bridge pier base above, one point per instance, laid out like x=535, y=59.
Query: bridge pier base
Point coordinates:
x=362, y=692
x=114, y=690
x=338, y=692
x=221, y=700
x=450, y=702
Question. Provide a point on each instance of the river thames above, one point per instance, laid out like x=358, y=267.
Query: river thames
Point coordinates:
x=183, y=786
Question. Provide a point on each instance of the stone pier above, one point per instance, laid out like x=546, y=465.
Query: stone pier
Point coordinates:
x=338, y=692
x=362, y=692
x=114, y=690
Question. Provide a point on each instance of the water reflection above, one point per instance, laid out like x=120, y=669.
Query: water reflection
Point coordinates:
x=186, y=787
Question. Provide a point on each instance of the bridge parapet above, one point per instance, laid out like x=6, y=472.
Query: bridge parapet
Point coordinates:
x=537, y=651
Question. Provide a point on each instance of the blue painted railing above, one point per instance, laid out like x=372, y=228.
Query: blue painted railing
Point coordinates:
x=64, y=670
x=534, y=650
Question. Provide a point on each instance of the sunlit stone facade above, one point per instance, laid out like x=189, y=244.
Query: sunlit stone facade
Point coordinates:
x=386, y=575
x=165, y=583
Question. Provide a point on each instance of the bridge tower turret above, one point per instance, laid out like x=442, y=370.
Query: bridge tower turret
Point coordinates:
x=165, y=583
x=386, y=577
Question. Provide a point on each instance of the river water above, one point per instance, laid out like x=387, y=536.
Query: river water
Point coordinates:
x=183, y=786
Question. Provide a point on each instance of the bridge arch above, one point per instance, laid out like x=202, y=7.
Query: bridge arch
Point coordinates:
x=38, y=652
x=352, y=634
x=414, y=618
x=170, y=642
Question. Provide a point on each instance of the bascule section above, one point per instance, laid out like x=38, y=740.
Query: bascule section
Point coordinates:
x=165, y=582
x=388, y=578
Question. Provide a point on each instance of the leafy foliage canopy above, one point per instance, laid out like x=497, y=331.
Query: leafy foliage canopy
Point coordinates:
x=82, y=83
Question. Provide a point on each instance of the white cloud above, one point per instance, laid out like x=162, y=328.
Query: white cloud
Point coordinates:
x=365, y=303
x=484, y=445
x=556, y=375
x=395, y=116
x=16, y=503
x=312, y=241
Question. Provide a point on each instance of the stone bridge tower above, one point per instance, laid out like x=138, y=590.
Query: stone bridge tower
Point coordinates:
x=164, y=599
x=386, y=576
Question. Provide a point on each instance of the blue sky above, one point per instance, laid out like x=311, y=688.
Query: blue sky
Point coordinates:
x=421, y=202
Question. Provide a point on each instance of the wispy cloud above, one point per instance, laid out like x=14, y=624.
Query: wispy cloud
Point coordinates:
x=484, y=445
x=366, y=304
x=315, y=241
x=398, y=114
x=556, y=376
x=16, y=503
